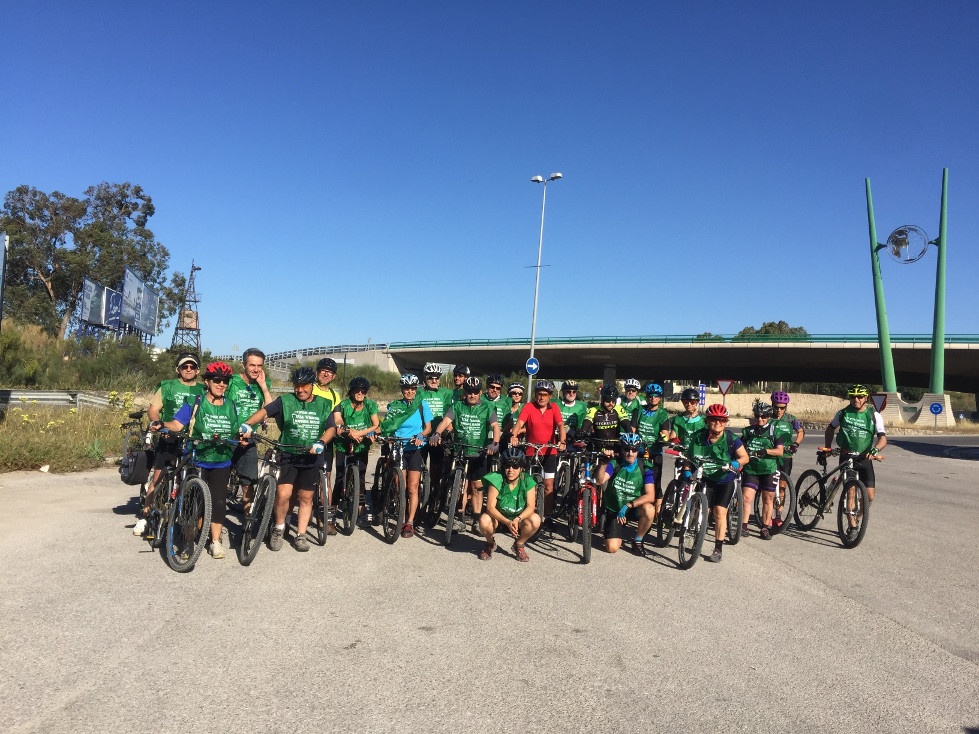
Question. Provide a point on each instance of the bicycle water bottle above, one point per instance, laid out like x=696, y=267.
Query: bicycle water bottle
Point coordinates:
x=148, y=440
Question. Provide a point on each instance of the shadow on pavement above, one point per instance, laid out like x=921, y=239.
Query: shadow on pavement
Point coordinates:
x=938, y=450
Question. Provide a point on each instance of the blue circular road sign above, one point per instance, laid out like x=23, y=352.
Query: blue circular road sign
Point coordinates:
x=936, y=408
x=533, y=366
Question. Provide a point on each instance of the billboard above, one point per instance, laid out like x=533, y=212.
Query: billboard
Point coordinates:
x=113, y=308
x=140, y=303
x=93, y=303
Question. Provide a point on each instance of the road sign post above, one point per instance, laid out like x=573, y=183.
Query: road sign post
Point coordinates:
x=533, y=366
x=879, y=400
x=724, y=386
x=936, y=410
x=703, y=394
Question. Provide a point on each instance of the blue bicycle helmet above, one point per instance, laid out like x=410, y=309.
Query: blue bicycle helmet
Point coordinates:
x=654, y=388
x=630, y=441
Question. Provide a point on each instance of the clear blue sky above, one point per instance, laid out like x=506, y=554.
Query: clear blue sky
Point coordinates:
x=345, y=171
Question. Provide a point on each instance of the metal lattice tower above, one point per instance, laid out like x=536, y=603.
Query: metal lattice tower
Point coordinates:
x=187, y=334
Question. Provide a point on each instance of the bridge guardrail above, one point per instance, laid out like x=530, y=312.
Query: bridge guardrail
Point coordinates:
x=56, y=398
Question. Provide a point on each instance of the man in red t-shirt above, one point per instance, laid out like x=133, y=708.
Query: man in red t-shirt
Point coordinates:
x=541, y=418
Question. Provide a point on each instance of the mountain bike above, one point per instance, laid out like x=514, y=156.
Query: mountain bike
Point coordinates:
x=815, y=492
x=180, y=515
x=684, y=510
x=258, y=515
x=350, y=490
x=389, y=486
x=456, y=488
x=580, y=506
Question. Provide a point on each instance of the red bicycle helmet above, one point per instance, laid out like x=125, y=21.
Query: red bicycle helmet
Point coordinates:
x=217, y=369
x=717, y=411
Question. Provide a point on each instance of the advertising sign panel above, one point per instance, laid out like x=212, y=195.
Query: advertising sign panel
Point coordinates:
x=93, y=303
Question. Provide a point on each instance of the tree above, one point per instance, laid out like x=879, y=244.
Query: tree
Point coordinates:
x=709, y=337
x=773, y=328
x=56, y=241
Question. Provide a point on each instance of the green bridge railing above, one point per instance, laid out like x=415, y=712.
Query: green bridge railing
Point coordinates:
x=687, y=339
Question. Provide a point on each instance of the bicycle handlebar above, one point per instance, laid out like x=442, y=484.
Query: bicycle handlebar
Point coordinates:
x=824, y=451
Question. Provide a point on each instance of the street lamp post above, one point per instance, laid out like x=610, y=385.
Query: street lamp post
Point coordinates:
x=540, y=244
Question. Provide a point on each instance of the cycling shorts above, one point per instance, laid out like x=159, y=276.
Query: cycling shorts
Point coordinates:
x=167, y=453
x=304, y=478
x=615, y=529
x=477, y=468
x=413, y=460
x=719, y=494
x=865, y=470
x=245, y=461
x=550, y=465
x=785, y=468
x=764, y=482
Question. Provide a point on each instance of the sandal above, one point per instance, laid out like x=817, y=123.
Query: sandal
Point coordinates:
x=488, y=551
x=521, y=553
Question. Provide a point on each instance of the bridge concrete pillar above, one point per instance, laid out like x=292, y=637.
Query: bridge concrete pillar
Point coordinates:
x=608, y=375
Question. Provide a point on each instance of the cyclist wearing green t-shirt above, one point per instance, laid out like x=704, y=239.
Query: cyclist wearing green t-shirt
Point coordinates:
x=652, y=422
x=214, y=416
x=764, y=446
x=250, y=391
x=790, y=430
x=357, y=423
x=306, y=428
x=471, y=418
x=507, y=422
x=629, y=494
x=573, y=411
x=459, y=374
x=169, y=397
x=861, y=432
x=686, y=427
x=630, y=398
x=439, y=400
x=326, y=372
x=510, y=505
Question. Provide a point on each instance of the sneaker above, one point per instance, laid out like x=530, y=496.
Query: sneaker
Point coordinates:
x=217, y=549
x=487, y=552
x=521, y=553
x=275, y=539
x=765, y=534
x=187, y=551
x=331, y=529
x=852, y=533
x=140, y=527
x=715, y=557
x=300, y=543
x=638, y=549
x=744, y=529
x=407, y=530
x=375, y=519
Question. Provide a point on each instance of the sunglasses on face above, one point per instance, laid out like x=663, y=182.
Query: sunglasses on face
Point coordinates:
x=222, y=380
x=305, y=386
x=189, y=367
x=494, y=387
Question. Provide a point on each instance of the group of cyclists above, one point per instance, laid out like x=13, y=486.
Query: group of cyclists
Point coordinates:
x=499, y=434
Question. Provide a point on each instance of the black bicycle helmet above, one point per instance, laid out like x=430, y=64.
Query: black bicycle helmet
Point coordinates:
x=303, y=376
x=762, y=410
x=326, y=364
x=494, y=379
x=609, y=394
x=460, y=369
x=513, y=457
x=691, y=393
x=359, y=383
x=544, y=385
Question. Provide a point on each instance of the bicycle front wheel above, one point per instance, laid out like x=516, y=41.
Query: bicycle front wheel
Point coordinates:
x=424, y=487
x=586, y=522
x=735, y=511
x=810, y=493
x=852, y=513
x=666, y=521
x=256, y=524
x=450, y=511
x=189, y=526
x=693, y=531
x=393, y=510
x=350, y=499
x=784, y=508
x=321, y=508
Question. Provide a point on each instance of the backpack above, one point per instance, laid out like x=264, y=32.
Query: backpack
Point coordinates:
x=134, y=469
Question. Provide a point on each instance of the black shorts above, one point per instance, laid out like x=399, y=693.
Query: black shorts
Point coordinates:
x=549, y=462
x=615, y=529
x=413, y=460
x=719, y=494
x=477, y=468
x=865, y=470
x=167, y=453
x=764, y=482
x=245, y=462
x=306, y=478
x=328, y=458
x=785, y=468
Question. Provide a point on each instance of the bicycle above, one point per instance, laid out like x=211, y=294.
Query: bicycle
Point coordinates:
x=814, y=499
x=457, y=486
x=137, y=453
x=783, y=507
x=181, y=511
x=258, y=517
x=389, y=486
x=684, y=511
x=348, y=503
x=580, y=507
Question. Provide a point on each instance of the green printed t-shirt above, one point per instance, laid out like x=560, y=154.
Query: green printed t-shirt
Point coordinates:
x=175, y=395
x=356, y=420
x=717, y=466
x=511, y=501
x=438, y=400
x=504, y=407
x=756, y=438
x=688, y=429
x=625, y=485
x=856, y=430
x=215, y=420
x=650, y=423
x=784, y=429
x=471, y=422
x=579, y=408
x=247, y=397
x=303, y=423
x=631, y=406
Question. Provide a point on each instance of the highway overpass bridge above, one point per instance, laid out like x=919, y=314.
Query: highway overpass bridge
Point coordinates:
x=811, y=358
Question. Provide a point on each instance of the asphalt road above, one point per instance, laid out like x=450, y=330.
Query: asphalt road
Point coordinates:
x=789, y=635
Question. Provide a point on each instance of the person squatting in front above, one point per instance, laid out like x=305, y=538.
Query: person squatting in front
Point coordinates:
x=630, y=494
x=511, y=503
x=409, y=418
x=216, y=417
x=304, y=422
x=726, y=455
